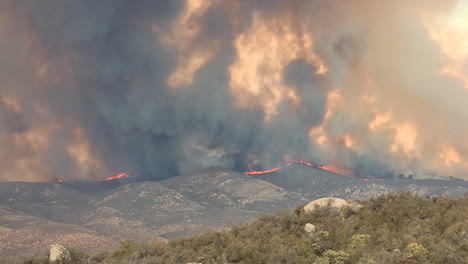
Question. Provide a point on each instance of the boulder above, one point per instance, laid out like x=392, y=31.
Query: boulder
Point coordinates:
x=309, y=228
x=332, y=201
x=58, y=253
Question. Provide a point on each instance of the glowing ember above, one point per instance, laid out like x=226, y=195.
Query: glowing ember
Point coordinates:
x=118, y=176
x=264, y=171
x=304, y=162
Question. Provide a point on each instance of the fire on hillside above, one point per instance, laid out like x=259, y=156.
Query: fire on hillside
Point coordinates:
x=330, y=168
x=119, y=176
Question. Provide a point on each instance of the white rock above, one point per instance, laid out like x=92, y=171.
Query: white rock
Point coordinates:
x=333, y=201
x=58, y=253
x=309, y=228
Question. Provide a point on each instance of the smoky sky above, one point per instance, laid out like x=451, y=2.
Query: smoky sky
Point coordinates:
x=158, y=88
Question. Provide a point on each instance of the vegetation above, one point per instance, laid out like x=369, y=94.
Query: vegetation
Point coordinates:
x=395, y=228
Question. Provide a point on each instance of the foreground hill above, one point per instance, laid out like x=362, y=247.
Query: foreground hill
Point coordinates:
x=389, y=229
x=96, y=216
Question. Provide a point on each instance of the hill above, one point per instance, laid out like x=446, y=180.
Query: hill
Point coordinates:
x=389, y=229
x=96, y=216
x=313, y=183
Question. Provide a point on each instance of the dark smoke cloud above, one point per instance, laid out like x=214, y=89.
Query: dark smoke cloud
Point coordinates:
x=85, y=93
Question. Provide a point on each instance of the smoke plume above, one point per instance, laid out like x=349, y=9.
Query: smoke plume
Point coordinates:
x=371, y=88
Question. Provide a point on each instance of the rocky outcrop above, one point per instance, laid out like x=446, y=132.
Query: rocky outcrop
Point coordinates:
x=58, y=254
x=309, y=228
x=331, y=201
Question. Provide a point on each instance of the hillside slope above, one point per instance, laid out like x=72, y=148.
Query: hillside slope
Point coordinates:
x=313, y=183
x=96, y=216
x=391, y=229
x=395, y=228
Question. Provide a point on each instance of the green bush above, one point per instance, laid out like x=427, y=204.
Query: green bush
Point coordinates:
x=333, y=257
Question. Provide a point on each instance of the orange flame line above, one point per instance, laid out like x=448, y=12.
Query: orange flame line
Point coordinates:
x=118, y=176
x=323, y=167
x=262, y=172
x=280, y=167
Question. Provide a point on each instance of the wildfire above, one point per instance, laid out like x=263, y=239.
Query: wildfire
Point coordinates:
x=359, y=85
x=452, y=37
x=253, y=75
x=264, y=171
x=305, y=162
x=323, y=167
x=118, y=176
x=115, y=177
x=405, y=138
x=183, y=33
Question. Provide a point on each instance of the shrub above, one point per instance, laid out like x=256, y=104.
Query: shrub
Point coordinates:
x=333, y=257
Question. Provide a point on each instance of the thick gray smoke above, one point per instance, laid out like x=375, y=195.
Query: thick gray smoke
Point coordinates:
x=156, y=88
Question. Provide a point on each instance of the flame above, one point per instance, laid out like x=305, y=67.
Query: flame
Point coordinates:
x=183, y=74
x=184, y=31
x=318, y=134
x=257, y=81
x=450, y=156
x=263, y=171
x=405, y=138
x=362, y=85
x=256, y=77
x=452, y=37
x=118, y=176
x=336, y=169
x=304, y=162
x=331, y=168
x=379, y=120
x=348, y=141
x=115, y=177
